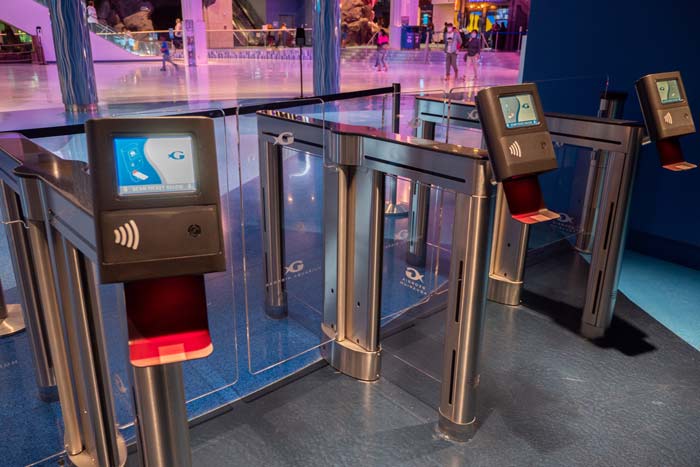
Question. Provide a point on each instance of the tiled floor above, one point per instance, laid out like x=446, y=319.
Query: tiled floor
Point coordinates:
x=37, y=87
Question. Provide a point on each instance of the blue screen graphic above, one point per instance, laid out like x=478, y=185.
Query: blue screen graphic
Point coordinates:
x=519, y=111
x=153, y=165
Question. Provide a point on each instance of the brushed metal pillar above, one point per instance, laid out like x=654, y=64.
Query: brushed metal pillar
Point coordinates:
x=507, y=263
x=466, y=303
x=419, y=210
x=612, y=105
x=270, y=161
x=25, y=276
x=393, y=208
x=82, y=314
x=609, y=244
x=353, y=241
x=54, y=332
x=161, y=416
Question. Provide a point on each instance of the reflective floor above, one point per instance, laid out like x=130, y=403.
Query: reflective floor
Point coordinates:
x=37, y=87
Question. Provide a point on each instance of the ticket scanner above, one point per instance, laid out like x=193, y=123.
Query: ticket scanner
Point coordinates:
x=520, y=147
x=158, y=230
x=667, y=116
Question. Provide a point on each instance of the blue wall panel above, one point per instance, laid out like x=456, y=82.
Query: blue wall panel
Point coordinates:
x=625, y=40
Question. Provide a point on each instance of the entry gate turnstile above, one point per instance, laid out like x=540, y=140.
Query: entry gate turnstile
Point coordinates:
x=611, y=177
x=356, y=161
x=621, y=141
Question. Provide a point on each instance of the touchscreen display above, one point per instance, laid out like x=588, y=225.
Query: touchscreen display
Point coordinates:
x=148, y=165
x=519, y=111
x=669, y=91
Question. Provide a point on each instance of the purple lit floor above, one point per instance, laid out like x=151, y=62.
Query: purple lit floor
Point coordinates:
x=37, y=87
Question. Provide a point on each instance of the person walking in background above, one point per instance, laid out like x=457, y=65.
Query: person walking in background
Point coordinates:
x=92, y=16
x=165, y=53
x=177, y=34
x=382, y=44
x=473, y=53
x=453, y=42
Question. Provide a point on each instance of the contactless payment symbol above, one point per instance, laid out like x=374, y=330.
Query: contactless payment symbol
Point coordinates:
x=668, y=118
x=128, y=235
x=515, y=150
x=177, y=155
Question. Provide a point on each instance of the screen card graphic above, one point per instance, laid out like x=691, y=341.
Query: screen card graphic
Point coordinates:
x=152, y=165
x=669, y=91
x=519, y=111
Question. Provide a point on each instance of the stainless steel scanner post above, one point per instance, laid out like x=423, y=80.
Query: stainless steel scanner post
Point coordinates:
x=164, y=435
x=612, y=105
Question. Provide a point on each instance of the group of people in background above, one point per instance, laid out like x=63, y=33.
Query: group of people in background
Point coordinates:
x=453, y=45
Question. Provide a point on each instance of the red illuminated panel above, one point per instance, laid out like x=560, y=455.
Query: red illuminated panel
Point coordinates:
x=167, y=320
x=525, y=201
x=671, y=155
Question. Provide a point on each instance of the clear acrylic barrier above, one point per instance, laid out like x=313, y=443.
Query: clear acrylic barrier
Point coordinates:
x=275, y=340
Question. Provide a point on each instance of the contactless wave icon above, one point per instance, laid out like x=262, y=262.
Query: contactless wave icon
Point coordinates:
x=128, y=235
x=515, y=150
x=668, y=118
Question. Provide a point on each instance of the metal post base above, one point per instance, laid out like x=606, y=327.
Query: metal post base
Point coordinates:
x=592, y=332
x=13, y=322
x=456, y=431
x=86, y=459
x=277, y=311
x=350, y=359
x=503, y=291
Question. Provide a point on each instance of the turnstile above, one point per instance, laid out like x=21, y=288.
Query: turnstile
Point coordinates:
x=617, y=144
x=356, y=161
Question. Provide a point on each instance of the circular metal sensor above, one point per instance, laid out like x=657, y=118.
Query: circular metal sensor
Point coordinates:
x=195, y=230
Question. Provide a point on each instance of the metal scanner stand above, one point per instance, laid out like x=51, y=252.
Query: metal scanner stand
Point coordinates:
x=620, y=141
x=50, y=196
x=356, y=162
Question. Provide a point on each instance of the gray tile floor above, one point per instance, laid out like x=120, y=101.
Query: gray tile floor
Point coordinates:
x=547, y=397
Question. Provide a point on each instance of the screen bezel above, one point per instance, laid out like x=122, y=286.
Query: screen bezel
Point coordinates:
x=179, y=194
x=535, y=102
x=680, y=90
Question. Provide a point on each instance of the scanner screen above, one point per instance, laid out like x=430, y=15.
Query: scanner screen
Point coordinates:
x=149, y=165
x=669, y=91
x=519, y=111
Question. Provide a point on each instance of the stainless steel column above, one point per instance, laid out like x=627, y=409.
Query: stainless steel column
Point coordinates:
x=392, y=206
x=82, y=314
x=58, y=346
x=161, y=416
x=507, y=264
x=25, y=277
x=612, y=105
x=610, y=236
x=419, y=210
x=353, y=239
x=465, y=314
x=272, y=229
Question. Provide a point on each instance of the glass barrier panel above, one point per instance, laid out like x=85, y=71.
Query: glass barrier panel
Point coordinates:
x=280, y=239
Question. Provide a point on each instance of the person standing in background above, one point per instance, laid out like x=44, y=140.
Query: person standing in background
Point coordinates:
x=473, y=53
x=382, y=44
x=453, y=42
x=177, y=33
x=92, y=16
